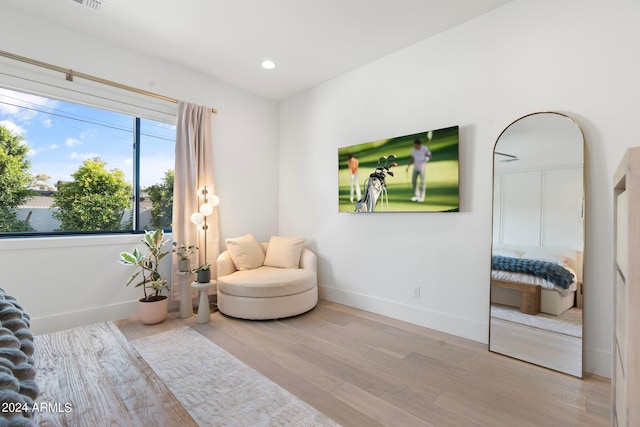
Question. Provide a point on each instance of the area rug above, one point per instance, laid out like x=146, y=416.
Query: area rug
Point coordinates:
x=217, y=389
x=567, y=323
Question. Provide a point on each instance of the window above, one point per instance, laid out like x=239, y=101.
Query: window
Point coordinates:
x=71, y=168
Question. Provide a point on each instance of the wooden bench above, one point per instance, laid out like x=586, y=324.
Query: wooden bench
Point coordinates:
x=530, y=295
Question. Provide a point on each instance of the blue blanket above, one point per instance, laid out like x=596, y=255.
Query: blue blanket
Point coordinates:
x=554, y=273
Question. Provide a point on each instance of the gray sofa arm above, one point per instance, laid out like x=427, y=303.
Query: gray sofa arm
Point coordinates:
x=224, y=264
x=308, y=260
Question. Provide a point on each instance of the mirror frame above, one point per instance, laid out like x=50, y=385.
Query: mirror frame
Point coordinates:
x=584, y=220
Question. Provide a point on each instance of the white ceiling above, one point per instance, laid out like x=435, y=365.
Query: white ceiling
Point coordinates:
x=311, y=41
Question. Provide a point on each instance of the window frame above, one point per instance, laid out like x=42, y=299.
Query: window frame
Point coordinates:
x=41, y=82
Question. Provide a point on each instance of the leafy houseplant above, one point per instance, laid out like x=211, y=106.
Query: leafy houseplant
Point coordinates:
x=184, y=254
x=203, y=273
x=148, y=275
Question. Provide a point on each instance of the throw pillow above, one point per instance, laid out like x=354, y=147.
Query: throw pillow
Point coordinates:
x=246, y=252
x=284, y=252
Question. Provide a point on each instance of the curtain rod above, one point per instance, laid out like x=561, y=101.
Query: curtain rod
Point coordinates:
x=70, y=74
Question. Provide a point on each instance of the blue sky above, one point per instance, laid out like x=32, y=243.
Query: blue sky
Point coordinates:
x=61, y=135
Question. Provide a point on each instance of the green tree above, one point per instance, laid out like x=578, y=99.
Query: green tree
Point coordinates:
x=161, y=196
x=95, y=200
x=40, y=182
x=14, y=179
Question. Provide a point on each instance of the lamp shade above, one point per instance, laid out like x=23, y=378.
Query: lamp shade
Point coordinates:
x=214, y=200
x=202, y=192
x=206, y=209
x=197, y=218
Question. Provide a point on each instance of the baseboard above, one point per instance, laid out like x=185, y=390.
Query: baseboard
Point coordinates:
x=454, y=325
x=72, y=319
x=598, y=362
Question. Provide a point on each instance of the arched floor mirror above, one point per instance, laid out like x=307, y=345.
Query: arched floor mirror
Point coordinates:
x=538, y=242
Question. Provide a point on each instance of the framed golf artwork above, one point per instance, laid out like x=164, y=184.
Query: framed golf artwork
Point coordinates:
x=410, y=173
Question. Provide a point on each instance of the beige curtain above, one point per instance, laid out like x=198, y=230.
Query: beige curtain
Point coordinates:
x=193, y=170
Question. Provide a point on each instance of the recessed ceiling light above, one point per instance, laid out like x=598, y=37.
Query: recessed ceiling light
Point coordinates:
x=268, y=64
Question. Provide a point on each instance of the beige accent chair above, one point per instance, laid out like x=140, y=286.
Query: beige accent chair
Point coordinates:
x=267, y=292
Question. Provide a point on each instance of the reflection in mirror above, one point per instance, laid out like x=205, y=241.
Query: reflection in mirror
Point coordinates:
x=538, y=241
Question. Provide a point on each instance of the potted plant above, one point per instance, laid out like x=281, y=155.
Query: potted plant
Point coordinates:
x=184, y=256
x=152, y=308
x=203, y=273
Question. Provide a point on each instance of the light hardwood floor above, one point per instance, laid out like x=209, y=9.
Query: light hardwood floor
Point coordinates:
x=363, y=369
x=545, y=348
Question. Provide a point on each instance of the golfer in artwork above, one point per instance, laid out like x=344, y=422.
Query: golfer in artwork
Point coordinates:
x=354, y=163
x=419, y=158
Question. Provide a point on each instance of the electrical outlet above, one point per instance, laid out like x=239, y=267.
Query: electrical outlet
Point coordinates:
x=416, y=291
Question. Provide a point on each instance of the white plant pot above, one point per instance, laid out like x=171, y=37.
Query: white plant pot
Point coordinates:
x=153, y=312
x=184, y=265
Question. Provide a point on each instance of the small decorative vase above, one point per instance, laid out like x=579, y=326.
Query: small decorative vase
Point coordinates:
x=184, y=265
x=204, y=276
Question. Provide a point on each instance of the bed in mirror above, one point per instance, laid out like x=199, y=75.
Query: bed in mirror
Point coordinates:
x=538, y=242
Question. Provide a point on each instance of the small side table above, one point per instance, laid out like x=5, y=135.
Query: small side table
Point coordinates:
x=186, y=304
x=204, y=313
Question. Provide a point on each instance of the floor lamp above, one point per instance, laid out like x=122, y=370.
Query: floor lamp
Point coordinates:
x=204, y=283
x=206, y=208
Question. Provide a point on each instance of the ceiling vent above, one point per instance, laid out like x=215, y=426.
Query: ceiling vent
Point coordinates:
x=92, y=4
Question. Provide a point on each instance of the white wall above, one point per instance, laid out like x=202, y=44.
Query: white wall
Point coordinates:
x=78, y=280
x=575, y=57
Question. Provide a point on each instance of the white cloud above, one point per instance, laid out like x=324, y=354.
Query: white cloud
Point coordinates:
x=23, y=106
x=72, y=142
x=12, y=127
x=83, y=156
x=32, y=150
x=47, y=123
x=89, y=133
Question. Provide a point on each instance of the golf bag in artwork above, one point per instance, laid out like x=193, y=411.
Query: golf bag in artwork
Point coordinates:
x=375, y=186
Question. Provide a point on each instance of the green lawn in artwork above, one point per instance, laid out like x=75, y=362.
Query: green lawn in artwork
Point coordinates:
x=441, y=172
